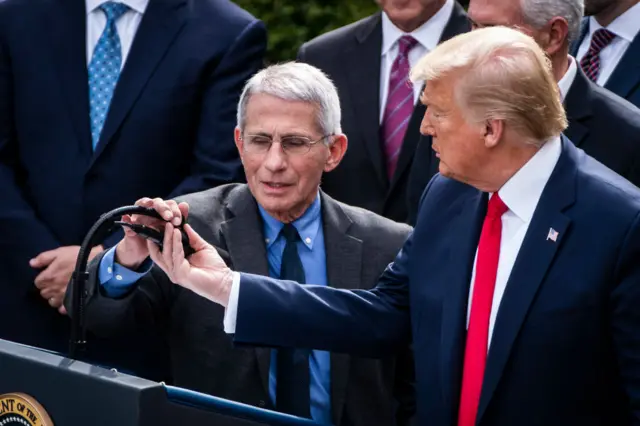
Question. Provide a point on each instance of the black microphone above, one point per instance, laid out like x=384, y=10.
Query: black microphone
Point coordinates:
x=104, y=225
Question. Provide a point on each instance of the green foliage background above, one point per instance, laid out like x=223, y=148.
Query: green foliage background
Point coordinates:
x=292, y=22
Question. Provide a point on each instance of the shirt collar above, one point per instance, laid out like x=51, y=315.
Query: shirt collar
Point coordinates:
x=137, y=5
x=307, y=225
x=567, y=79
x=626, y=25
x=428, y=34
x=522, y=192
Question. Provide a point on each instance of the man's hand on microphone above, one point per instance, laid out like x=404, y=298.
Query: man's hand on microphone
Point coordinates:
x=132, y=250
x=204, y=272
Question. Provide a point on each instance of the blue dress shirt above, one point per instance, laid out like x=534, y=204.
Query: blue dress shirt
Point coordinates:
x=118, y=281
x=312, y=254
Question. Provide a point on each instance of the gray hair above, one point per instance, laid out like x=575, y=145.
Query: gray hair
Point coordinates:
x=296, y=81
x=538, y=13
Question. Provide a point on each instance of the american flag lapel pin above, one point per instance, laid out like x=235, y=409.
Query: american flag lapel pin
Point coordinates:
x=552, y=235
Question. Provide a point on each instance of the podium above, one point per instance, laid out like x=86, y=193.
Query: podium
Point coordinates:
x=41, y=388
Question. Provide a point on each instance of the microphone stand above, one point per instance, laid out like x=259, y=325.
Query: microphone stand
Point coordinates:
x=77, y=344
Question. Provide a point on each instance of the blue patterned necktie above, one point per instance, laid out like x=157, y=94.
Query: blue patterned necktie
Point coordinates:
x=104, y=69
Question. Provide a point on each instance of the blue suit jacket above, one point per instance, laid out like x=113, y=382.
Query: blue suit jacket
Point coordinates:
x=169, y=130
x=625, y=80
x=566, y=345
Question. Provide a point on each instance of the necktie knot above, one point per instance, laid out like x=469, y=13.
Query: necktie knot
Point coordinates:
x=601, y=39
x=113, y=10
x=290, y=233
x=496, y=207
x=405, y=44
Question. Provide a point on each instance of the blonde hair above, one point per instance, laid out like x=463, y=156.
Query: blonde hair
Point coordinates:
x=503, y=75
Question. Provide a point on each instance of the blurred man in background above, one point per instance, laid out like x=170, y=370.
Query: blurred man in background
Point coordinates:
x=101, y=103
x=609, y=47
x=369, y=62
x=601, y=123
x=279, y=225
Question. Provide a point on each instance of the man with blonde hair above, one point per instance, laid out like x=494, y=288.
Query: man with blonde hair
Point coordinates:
x=601, y=123
x=520, y=284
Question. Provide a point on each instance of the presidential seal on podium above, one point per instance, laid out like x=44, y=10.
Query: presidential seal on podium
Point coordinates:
x=19, y=409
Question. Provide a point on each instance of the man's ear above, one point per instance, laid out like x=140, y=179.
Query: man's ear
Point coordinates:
x=556, y=35
x=493, y=130
x=337, y=149
x=237, y=137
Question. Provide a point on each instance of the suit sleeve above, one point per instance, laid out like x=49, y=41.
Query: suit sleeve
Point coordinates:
x=369, y=323
x=215, y=158
x=145, y=306
x=24, y=235
x=625, y=319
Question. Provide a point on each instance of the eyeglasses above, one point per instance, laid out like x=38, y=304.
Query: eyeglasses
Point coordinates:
x=291, y=145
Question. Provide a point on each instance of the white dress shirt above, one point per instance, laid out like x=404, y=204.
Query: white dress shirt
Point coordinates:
x=567, y=79
x=427, y=35
x=626, y=28
x=521, y=194
x=127, y=24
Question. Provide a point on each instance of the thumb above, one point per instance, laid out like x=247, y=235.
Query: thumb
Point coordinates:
x=43, y=259
x=195, y=240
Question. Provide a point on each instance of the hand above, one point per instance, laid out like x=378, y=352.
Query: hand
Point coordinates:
x=132, y=250
x=57, y=266
x=204, y=272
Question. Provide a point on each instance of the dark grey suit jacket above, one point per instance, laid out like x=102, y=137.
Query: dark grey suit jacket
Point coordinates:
x=359, y=245
x=351, y=57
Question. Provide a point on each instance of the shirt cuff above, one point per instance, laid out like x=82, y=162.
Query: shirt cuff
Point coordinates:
x=115, y=278
x=231, y=313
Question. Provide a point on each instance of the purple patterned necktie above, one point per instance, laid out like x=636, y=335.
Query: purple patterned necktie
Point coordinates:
x=590, y=63
x=399, y=107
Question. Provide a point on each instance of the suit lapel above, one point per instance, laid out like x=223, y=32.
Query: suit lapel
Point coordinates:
x=533, y=261
x=344, y=266
x=468, y=223
x=160, y=24
x=626, y=75
x=243, y=237
x=578, y=108
x=363, y=59
x=68, y=38
x=458, y=23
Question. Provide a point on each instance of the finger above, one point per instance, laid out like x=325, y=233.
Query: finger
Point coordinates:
x=156, y=256
x=195, y=240
x=162, y=208
x=44, y=279
x=184, y=210
x=178, y=251
x=145, y=202
x=127, y=231
x=44, y=259
x=167, y=249
x=62, y=310
x=55, y=302
x=177, y=214
x=48, y=292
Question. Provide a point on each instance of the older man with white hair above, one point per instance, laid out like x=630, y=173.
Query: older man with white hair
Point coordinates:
x=601, y=123
x=281, y=225
x=520, y=284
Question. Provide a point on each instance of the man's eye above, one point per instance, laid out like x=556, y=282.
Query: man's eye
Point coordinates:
x=260, y=141
x=294, y=142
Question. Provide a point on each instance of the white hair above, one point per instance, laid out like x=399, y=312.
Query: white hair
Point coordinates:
x=538, y=13
x=296, y=81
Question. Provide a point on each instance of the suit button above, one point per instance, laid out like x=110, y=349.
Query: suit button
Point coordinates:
x=262, y=403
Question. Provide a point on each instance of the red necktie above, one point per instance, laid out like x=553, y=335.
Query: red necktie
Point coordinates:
x=475, y=355
x=590, y=63
x=399, y=105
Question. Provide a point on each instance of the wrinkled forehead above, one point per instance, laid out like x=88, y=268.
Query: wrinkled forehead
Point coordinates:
x=490, y=13
x=272, y=114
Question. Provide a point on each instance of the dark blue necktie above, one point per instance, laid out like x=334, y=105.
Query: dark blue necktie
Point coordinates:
x=292, y=379
x=104, y=69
